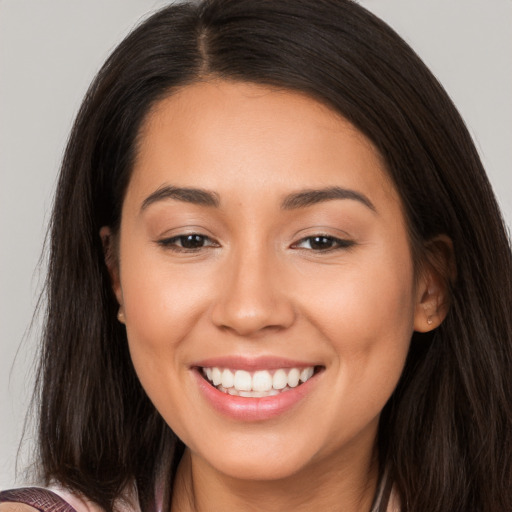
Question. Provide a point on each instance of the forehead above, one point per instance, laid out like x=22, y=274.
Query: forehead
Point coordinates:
x=237, y=137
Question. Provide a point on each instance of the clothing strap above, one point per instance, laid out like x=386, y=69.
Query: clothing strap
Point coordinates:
x=41, y=499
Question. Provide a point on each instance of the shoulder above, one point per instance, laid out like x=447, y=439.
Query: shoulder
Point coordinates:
x=59, y=499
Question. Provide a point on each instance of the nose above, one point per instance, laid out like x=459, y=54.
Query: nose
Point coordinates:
x=251, y=299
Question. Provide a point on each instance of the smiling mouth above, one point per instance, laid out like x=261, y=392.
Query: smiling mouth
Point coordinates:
x=257, y=384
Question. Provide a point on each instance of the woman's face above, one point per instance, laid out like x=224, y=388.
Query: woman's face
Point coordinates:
x=263, y=247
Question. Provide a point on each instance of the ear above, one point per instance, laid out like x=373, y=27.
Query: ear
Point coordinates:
x=112, y=263
x=437, y=273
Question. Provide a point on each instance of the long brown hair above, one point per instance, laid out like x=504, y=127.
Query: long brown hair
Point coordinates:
x=445, y=439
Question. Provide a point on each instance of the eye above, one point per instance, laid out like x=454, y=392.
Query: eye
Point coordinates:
x=322, y=243
x=189, y=242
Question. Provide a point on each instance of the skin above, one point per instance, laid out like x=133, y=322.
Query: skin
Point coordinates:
x=258, y=288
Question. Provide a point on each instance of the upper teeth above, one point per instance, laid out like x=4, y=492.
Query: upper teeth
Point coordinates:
x=258, y=381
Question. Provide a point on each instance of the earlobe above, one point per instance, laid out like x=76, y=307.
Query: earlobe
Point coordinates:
x=120, y=315
x=431, y=308
x=112, y=263
x=433, y=287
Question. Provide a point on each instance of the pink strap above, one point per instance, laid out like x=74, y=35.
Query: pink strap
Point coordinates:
x=41, y=499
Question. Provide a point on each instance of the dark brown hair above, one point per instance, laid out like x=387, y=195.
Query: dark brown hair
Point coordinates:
x=445, y=436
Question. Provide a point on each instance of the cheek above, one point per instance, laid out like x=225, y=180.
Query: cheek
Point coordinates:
x=162, y=305
x=156, y=292
x=365, y=312
x=368, y=297
x=368, y=322
x=161, y=308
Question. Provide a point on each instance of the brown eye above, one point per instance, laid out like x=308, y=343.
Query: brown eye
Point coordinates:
x=319, y=243
x=190, y=242
x=322, y=243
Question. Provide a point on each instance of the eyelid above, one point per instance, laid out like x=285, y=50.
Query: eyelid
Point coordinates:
x=182, y=230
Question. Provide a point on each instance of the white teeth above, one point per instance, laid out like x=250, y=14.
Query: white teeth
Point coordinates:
x=252, y=394
x=306, y=374
x=216, y=376
x=280, y=380
x=293, y=377
x=228, y=379
x=243, y=381
x=261, y=383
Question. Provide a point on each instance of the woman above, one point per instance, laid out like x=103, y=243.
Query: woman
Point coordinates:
x=276, y=292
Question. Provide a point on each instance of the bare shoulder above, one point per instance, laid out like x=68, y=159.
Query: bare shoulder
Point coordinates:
x=16, y=507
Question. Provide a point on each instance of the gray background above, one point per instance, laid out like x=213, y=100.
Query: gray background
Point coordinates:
x=50, y=50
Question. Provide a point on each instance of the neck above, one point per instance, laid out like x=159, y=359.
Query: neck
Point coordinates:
x=347, y=485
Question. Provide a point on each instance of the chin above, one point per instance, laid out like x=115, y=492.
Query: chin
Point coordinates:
x=266, y=458
x=259, y=469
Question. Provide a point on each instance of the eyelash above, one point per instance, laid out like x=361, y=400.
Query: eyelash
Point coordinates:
x=335, y=243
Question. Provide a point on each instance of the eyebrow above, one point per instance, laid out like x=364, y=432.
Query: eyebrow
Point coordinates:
x=305, y=198
x=296, y=200
x=188, y=195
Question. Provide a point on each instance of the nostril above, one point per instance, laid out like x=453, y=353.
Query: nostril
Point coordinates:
x=250, y=315
x=253, y=322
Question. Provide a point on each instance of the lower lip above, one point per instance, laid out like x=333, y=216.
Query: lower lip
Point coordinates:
x=253, y=409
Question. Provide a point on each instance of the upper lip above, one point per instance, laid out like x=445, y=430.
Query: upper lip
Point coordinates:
x=252, y=363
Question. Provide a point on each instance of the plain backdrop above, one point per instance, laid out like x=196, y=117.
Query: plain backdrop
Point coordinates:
x=51, y=49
